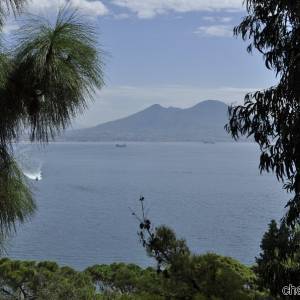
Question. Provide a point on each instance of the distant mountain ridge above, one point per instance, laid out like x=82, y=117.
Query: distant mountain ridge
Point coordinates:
x=203, y=122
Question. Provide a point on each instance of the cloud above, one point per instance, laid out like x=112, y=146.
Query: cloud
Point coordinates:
x=214, y=19
x=119, y=101
x=89, y=8
x=121, y=16
x=150, y=8
x=219, y=30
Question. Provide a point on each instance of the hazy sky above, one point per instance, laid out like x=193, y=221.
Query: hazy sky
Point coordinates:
x=171, y=52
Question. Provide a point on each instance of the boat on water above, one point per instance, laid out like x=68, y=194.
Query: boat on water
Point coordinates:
x=121, y=145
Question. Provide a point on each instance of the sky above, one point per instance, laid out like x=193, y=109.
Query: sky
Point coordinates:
x=171, y=52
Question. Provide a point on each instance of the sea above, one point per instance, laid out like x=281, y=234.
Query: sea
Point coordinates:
x=210, y=194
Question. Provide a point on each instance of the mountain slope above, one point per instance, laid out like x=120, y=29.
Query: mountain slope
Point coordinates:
x=202, y=122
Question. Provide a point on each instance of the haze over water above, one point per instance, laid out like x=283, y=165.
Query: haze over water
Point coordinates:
x=211, y=194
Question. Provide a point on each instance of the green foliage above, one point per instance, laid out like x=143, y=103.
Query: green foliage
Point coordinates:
x=62, y=68
x=119, y=278
x=48, y=281
x=218, y=277
x=279, y=263
x=272, y=116
x=188, y=276
x=44, y=82
x=45, y=280
x=16, y=202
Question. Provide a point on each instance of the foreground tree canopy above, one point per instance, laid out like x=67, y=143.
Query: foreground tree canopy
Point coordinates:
x=219, y=278
x=272, y=116
x=45, y=80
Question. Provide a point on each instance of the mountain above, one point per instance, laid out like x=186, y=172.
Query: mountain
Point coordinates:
x=202, y=122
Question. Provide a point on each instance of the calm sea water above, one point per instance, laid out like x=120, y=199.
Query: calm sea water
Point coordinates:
x=211, y=194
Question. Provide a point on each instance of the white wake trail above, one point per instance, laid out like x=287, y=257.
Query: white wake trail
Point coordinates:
x=29, y=162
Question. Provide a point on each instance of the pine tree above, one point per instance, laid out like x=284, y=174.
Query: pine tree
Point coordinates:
x=279, y=262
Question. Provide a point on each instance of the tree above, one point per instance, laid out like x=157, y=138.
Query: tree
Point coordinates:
x=279, y=263
x=44, y=82
x=28, y=280
x=272, y=116
x=185, y=275
x=126, y=279
x=43, y=280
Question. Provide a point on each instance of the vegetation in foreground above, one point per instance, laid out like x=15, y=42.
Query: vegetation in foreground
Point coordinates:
x=43, y=84
x=179, y=274
x=206, y=276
